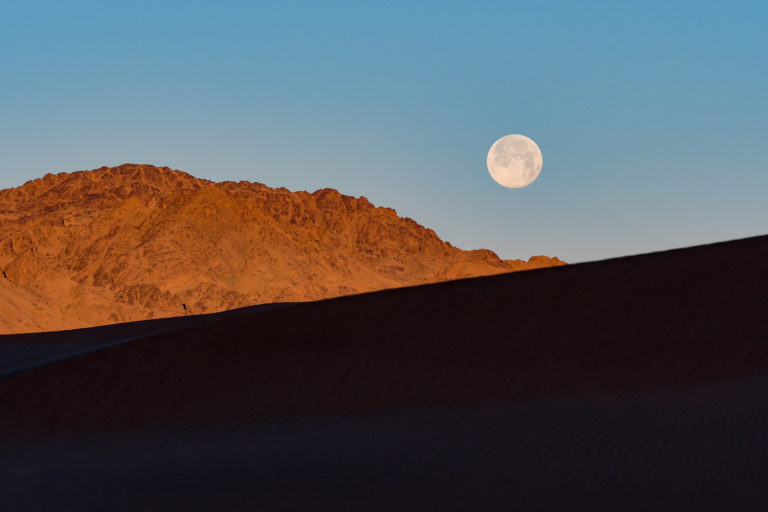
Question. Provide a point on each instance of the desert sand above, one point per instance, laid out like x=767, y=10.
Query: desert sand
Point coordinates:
x=636, y=383
x=137, y=242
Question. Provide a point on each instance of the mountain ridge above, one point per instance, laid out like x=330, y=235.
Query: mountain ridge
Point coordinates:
x=135, y=242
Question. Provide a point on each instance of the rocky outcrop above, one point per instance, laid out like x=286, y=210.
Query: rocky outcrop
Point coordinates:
x=137, y=241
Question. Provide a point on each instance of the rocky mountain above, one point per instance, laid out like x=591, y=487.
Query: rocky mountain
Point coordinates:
x=136, y=242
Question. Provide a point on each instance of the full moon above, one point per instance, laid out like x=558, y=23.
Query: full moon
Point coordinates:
x=514, y=161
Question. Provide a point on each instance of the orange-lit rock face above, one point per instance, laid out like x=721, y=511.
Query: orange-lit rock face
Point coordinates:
x=136, y=242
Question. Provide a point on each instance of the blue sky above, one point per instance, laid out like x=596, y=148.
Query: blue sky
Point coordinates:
x=651, y=116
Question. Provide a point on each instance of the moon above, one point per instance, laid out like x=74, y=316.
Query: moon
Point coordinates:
x=514, y=161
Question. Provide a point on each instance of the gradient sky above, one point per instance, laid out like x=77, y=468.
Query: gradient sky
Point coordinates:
x=651, y=117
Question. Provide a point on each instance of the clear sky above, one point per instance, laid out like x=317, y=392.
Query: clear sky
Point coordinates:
x=651, y=116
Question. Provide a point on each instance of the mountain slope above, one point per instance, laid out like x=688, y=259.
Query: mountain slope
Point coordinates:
x=136, y=241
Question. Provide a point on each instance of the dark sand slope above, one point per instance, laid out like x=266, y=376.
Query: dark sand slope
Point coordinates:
x=22, y=352
x=632, y=383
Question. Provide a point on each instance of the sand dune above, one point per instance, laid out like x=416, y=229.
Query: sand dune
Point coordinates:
x=688, y=447
x=24, y=351
x=631, y=383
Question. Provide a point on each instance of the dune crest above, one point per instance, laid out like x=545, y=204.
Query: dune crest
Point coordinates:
x=136, y=242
